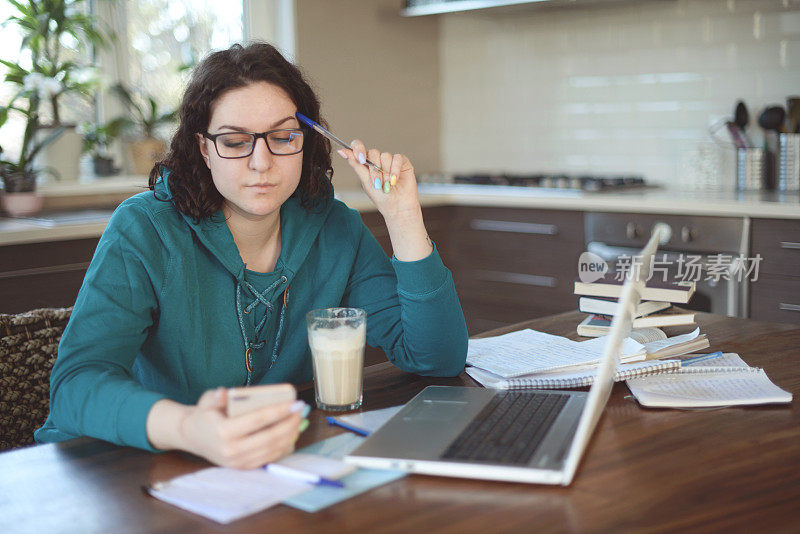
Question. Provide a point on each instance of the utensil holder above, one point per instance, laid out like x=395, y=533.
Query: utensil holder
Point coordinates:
x=750, y=169
x=789, y=162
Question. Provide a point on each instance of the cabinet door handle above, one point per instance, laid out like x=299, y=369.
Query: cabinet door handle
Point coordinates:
x=516, y=278
x=515, y=227
x=789, y=307
x=790, y=244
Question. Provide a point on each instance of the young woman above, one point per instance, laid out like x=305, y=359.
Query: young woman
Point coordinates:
x=204, y=281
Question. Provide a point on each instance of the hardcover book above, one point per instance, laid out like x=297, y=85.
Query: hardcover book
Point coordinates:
x=655, y=289
x=599, y=325
x=608, y=306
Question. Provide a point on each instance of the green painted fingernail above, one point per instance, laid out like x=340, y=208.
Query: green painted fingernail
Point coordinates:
x=387, y=187
x=303, y=425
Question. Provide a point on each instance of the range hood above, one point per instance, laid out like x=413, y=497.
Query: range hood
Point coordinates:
x=416, y=8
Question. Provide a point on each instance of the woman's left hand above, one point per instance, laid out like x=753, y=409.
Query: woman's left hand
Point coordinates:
x=394, y=191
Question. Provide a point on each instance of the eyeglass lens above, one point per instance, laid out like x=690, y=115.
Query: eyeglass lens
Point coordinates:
x=240, y=145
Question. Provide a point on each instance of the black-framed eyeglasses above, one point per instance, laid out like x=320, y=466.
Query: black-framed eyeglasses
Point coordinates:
x=234, y=145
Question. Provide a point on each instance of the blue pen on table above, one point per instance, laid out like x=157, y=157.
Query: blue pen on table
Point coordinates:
x=302, y=476
x=701, y=358
x=335, y=422
x=315, y=126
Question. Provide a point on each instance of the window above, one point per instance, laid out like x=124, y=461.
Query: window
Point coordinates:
x=10, y=40
x=164, y=38
x=72, y=108
x=156, y=44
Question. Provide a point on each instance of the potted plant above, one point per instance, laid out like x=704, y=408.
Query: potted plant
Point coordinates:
x=96, y=141
x=143, y=120
x=58, y=35
x=18, y=174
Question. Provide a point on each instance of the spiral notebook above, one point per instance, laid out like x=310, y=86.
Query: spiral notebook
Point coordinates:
x=570, y=379
x=718, y=379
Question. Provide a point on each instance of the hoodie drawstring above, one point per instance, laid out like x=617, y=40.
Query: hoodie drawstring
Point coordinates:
x=258, y=297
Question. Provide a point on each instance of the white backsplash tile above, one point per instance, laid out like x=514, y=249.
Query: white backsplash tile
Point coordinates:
x=628, y=88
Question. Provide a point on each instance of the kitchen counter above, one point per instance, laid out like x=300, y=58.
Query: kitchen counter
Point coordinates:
x=48, y=226
x=760, y=204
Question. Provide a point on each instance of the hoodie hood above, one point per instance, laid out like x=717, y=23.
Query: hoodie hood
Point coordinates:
x=299, y=230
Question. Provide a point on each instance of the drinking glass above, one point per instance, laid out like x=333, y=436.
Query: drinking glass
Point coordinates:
x=337, y=337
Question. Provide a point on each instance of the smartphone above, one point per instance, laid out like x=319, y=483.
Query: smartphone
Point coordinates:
x=246, y=399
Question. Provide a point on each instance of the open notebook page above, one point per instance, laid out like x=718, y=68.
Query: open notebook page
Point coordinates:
x=655, y=346
x=529, y=351
x=734, y=386
x=647, y=335
x=714, y=359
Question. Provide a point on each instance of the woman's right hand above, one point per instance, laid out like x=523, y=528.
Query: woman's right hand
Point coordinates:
x=246, y=441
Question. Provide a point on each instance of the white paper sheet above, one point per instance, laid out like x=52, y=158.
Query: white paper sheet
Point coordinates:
x=632, y=350
x=530, y=351
x=527, y=351
x=225, y=495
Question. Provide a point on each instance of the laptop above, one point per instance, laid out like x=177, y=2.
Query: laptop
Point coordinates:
x=507, y=435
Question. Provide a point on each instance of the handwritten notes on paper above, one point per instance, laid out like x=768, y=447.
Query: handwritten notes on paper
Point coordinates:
x=713, y=380
x=529, y=351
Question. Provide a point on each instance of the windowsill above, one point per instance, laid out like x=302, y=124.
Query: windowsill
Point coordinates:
x=121, y=184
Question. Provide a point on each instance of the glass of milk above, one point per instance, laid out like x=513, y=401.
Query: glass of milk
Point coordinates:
x=336, y=337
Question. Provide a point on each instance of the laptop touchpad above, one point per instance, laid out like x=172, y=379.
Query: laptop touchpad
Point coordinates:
x=435, y=410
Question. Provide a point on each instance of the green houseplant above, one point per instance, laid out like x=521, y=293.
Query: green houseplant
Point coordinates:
x=59, y=36
x=19, y=173
x=144, y=117
x=96, y=141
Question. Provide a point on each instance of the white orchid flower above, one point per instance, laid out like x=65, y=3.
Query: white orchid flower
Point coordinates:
x=84, y=75
x=51, y=86
x=31, y=81
x=45, y=87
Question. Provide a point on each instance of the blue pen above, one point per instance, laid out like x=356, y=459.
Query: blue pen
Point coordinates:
x=315, y=126
x=335, y=422
x=302, y=476
x=704, y=357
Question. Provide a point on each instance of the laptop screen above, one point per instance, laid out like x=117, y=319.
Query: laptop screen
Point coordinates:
x=620, y=329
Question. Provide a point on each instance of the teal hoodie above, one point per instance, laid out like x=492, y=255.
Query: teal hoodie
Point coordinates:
x=167, y=310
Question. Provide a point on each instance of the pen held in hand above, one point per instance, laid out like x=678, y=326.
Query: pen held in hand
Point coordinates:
x=315, y=126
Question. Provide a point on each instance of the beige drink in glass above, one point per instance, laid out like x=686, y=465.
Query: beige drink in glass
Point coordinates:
x=337, y=337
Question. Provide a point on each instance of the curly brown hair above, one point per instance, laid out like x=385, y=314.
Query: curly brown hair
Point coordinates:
x=193, y=191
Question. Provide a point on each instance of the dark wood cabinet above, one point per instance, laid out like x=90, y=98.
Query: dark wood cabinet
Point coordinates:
x=509, y=264
x=43, y=275
x=775, y=296
x=437, y=222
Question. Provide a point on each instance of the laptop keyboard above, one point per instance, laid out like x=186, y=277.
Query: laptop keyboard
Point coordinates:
x=509, y=429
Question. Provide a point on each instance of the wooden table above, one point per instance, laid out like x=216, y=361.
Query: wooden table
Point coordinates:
x=735, y=469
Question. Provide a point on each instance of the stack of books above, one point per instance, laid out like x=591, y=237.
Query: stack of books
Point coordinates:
x=599, y=300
